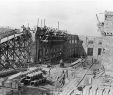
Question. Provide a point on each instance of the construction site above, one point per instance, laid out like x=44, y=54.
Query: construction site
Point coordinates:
x=49, y=61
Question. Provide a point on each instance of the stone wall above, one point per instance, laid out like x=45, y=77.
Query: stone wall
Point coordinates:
x=92, y=42
x=107, y=40
x=106, y=45
x=107, y=56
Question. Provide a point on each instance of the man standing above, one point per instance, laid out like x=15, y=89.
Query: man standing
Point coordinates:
x=61, y=63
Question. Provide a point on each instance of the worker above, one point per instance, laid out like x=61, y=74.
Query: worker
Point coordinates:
x=40, y=61
x=67, y=73
x=50, y=70
x=61, y=63
x=81, y=57
x=94, y=73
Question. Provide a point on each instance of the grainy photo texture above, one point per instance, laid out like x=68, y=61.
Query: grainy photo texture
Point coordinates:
x=56, y=47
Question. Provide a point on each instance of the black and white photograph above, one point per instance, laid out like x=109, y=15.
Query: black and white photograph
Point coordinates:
x=56, y=47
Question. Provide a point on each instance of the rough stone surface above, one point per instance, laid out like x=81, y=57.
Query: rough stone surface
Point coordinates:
x=107, y=56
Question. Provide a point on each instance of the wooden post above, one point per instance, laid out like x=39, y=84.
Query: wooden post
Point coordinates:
x=96, y=91
x=108, y=91
x=58, y=25
x=37, y=45
x=44, y=22
x=89, y=90
x=83, y=89
x=103, y=91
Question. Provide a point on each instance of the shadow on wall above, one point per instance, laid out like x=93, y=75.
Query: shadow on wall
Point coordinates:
x=74, y=50
x=80, y=49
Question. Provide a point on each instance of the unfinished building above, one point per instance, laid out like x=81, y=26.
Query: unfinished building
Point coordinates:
x=37, y=68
